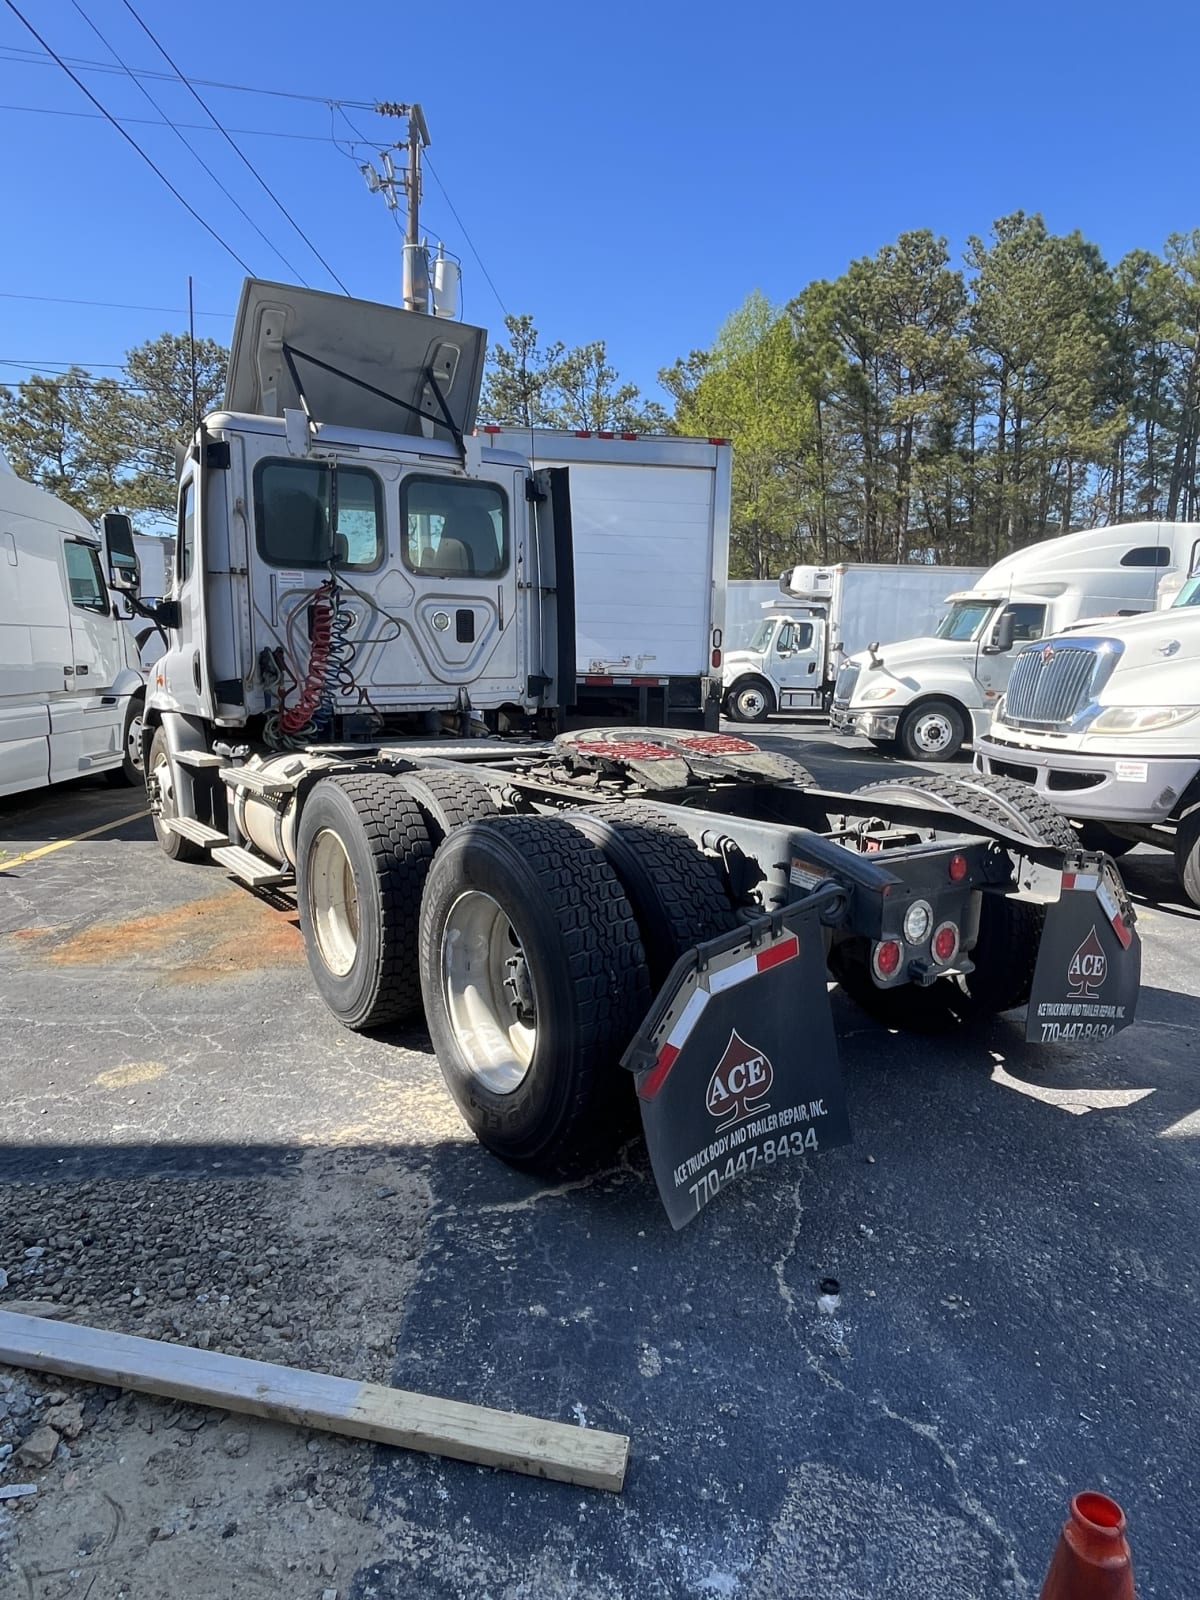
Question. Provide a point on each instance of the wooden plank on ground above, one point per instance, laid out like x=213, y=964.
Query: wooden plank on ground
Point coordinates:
x=586, y=1456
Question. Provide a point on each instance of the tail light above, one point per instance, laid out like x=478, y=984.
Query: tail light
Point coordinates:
x=945, y=943
x=885, y=958
x=957, y=868
x=716, y=658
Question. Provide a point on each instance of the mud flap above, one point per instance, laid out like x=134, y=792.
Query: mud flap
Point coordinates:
x=1089, y=964
x=736, y=1064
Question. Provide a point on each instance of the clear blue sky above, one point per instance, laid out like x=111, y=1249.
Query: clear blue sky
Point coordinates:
x=627, y=172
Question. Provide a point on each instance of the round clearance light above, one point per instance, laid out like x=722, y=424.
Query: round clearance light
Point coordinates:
x=918, y=920
x=886, y=958
x=958, y=868
x=945, y=944
x=440, y=620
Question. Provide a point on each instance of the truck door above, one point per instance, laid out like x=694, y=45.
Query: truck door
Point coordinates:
x=794, y=665
x=84, y=730
x=184, y=667
x=993, y=667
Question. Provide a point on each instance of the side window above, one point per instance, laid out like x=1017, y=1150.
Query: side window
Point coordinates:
x=1194, y=563
x=1147, y=555
x=1029, y=622
x=802, y=633
x=453, y=528
x=783, y=641
x=85, y=579
x=292, y=515
x=187, y=531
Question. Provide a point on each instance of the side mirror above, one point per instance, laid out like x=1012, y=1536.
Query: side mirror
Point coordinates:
x=167, y=613
x=1002, y=634
x=124, y=569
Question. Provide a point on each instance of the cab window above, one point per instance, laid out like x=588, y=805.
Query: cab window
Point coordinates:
x=794, y=636
x=453, y=528
x=187, y=530
x=85, y=579
x=1029, y=622
x=294, y=520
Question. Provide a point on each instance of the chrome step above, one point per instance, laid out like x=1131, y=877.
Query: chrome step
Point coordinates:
x=197, y=758
x=257, y=782
x=250, y=868
x=198, y=832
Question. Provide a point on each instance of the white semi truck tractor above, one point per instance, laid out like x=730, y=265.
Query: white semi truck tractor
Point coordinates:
x=367, y=702
x=927, y=697
x=1103, y=722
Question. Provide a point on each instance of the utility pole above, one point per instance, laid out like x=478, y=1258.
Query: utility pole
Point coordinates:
x=416, y=266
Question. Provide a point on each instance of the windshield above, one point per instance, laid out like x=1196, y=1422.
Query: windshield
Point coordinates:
x=964, y=619
x=761, y=638
x=1189, y=595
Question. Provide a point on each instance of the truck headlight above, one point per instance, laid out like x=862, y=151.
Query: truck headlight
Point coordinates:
x=998, y=709
x=881, y=691
x=1140, y=719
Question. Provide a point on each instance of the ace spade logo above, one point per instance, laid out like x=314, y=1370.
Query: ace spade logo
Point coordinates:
x=737, y=1087
x=1087, y=969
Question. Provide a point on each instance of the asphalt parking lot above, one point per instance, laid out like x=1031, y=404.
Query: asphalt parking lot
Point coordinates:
x=1013, y=1231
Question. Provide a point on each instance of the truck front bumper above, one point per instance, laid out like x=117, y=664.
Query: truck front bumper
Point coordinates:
x=867, y=724
x=1101, y=788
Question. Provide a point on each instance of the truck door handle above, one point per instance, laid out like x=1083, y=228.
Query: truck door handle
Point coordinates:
x=68, y=671
x=196, y=669
x=82, y=671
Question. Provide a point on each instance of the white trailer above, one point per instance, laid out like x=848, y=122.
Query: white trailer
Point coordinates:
x=650, y=529
x=71, y=691
x=808, y=622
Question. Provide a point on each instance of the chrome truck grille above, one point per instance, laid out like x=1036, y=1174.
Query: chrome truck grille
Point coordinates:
x=1050, y=685
x=843, y=687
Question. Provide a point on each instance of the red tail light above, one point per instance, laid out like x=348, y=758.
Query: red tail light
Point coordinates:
x=958, y=868
x=885, y=958
x=945, y=944
x=716, y=658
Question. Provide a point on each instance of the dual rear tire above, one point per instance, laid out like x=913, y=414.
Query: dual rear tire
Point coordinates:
x=533, y=944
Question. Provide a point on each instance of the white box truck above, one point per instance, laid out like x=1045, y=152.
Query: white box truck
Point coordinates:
x=790, y=658
x=930, y=694
x=71, y=686
x=650, y=528
x=1104, y=722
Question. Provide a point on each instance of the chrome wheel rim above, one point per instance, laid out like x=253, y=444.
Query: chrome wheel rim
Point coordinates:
x=751, y=702
x=164, y=788
x=333, y=902
x=932, y=733
x=133, y=744
x=489, y=992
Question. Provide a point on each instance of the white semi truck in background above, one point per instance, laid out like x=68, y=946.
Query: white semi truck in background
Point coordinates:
x=788, y=658
x=1103, y=721
x=930, y=695
x=355, y=570
x=71, y=684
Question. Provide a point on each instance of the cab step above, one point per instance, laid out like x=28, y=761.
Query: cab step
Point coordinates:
x=198, y=832
x=255, y=870
x=258, y=782
x=197, y=758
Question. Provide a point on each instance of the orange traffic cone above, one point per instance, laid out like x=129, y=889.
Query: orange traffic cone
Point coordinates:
x=1092, y=1560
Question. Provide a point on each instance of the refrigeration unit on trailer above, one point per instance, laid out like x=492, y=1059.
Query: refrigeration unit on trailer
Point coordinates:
x=813, y=619
x=587, y=916
x=650, y=530
x=930, y=695
x=71, y=688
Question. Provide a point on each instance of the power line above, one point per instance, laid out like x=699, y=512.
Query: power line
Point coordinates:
x=158, y=122
x=246, y=162
x=129, y=138
x=11, y=361
x=465, y=234
x=187, y=145
x=33, y=58
x=109, y=305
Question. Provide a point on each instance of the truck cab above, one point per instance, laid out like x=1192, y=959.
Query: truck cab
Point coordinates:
x=787, y=650
x=71, y=687
x=931, y=695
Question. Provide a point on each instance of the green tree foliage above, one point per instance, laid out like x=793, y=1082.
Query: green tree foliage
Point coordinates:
x=107, y=445
x=528, y=386
x=748, y=389
x=937, y=412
